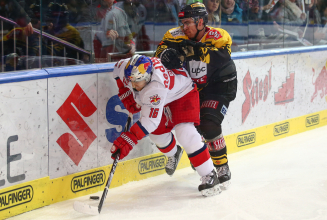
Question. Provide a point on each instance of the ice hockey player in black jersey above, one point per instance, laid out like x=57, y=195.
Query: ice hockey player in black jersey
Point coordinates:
x=206, y=53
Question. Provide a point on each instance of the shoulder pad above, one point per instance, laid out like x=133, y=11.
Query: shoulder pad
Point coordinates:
x=176, y=32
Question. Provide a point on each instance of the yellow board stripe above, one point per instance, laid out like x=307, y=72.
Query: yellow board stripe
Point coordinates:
x=45, y=191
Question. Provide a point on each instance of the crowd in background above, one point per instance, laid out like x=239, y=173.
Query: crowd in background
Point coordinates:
x=97, y=28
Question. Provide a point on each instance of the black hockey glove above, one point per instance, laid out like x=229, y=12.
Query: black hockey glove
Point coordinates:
x=171, y=59
x=197, y=47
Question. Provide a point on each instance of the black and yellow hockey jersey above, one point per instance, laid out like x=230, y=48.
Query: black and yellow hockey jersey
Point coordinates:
x=215, y=56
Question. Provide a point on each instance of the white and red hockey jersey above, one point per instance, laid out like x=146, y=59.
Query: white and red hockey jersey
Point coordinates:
x=164, y=87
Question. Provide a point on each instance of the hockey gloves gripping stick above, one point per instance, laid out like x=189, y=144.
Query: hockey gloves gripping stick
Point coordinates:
x=92, y=210
x=124, y=143
x=126, y=97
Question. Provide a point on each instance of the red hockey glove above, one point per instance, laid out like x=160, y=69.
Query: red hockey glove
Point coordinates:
x=125, y=142
x=126, y=97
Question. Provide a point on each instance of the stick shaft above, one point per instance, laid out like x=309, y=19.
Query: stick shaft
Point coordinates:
x=113, y=168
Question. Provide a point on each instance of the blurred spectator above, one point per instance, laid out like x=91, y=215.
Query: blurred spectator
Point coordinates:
x=57, y=25
x=16, y=37
x=288, y=20
x=136, y=15
x=35, y=15
x=231, y=12
x=150, y=9
x=318, y=13
x=288, y=13
x=250, y=9
x=214, y=12
x=95, y=10
x=75, y=10
x=113, y=34
x=163, y=14
x=13, y=10
x=173, y=6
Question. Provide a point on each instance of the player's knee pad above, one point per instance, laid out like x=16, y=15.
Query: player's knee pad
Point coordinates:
x=210, y=127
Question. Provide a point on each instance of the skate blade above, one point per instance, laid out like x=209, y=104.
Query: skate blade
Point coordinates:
x=212, y=191
x=225, y=185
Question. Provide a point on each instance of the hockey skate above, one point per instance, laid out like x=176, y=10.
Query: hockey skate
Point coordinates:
x=173, y=161
x=224, y=176
x=210, y=184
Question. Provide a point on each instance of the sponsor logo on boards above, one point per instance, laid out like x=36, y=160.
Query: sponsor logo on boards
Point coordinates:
x=285, y=93
x=255, y=91
x=281, y=129
x=311, y=120
x=72, y=147
x=320, y=83
x=152, y=164
x=246, y=139
x=16, y=197
x=88, y=181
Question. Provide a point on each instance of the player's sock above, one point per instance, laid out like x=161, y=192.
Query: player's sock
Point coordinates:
x=210, y=184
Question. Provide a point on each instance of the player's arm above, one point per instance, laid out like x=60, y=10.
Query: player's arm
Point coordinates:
x=151, y=113
x=125, y=94
x=170, y=51
x=218, y=50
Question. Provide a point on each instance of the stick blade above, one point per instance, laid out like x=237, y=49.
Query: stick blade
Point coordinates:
x=86, y=209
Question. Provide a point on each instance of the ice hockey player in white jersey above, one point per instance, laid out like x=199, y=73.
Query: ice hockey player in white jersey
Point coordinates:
x=166, y=99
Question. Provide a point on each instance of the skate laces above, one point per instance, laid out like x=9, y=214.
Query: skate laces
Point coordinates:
x=207, y=178
x=223, y=170
x=171, y=162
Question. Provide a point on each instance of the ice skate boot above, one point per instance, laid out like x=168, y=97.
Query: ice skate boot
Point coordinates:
x=210, y=184
x=224, y=176
x=173, y=161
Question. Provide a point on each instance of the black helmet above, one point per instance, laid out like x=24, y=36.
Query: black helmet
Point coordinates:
x=195, y=10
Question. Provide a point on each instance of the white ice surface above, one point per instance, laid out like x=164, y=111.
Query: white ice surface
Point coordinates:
x=284, y=179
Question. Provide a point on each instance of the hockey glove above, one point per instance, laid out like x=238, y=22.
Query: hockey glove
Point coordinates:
x=126, y=97
x=197, y=47
x=125, y=142
x=171, y=59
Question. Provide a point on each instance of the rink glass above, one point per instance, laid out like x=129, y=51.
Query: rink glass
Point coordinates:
x=78, y=32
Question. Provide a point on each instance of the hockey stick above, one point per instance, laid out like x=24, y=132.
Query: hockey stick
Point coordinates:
x=93, y=210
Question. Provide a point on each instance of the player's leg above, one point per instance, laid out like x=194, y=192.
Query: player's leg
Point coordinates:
x=166, y=143
x=213, y=110
x=198, y=153
x=215, y=99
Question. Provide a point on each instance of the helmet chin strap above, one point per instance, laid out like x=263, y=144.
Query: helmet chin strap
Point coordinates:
x=198, y=31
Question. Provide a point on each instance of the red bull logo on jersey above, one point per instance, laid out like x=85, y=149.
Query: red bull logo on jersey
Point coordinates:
x=155, y=100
